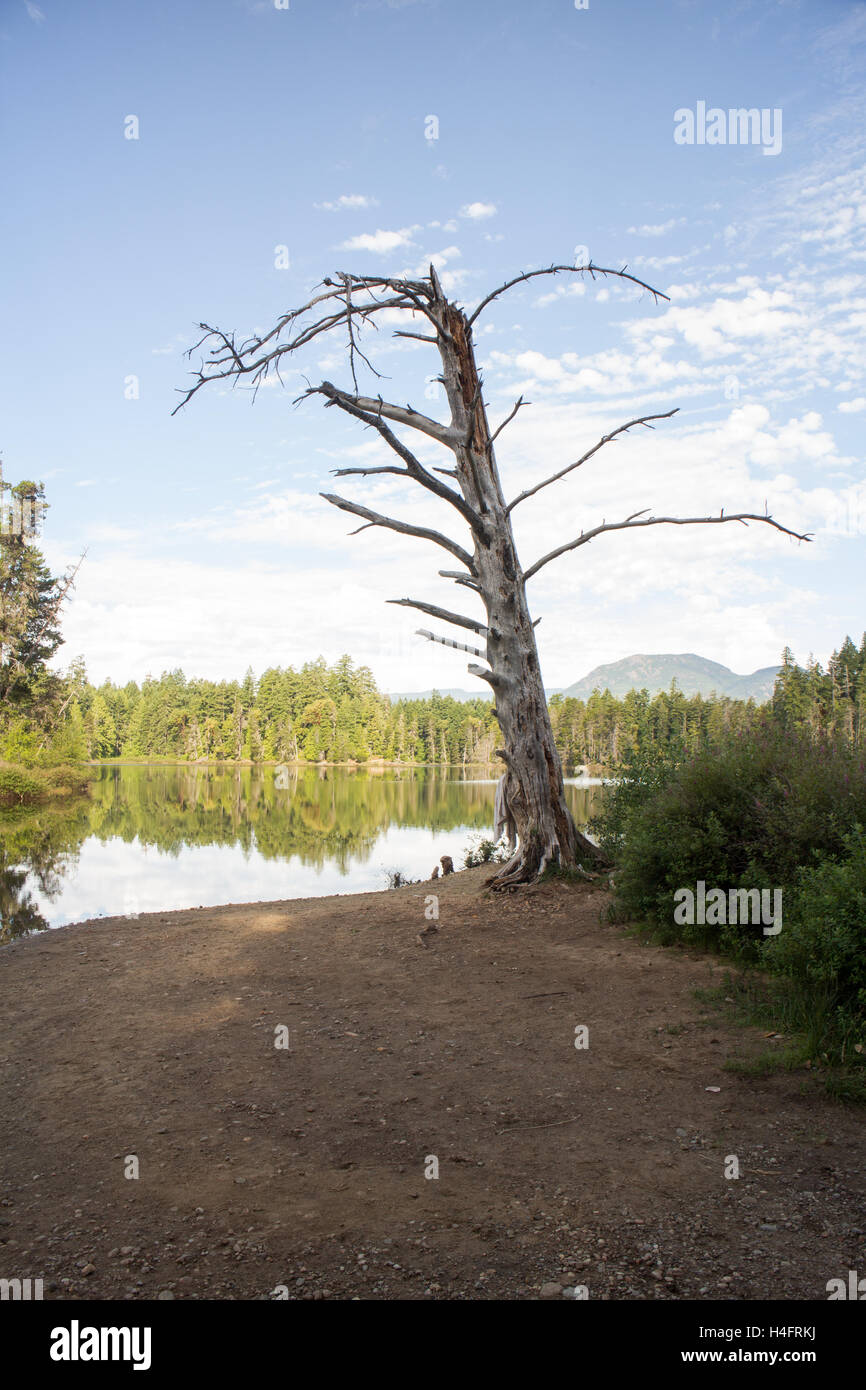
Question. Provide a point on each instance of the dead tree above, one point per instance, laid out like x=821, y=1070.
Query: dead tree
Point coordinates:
x=489, y=565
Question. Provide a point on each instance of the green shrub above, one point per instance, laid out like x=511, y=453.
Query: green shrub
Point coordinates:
x=483, y=850
x=768, y=809
x=748, y=815
x=64, y=777
x=822, y=946
x=636, y=780
x=17, y=785
x=35, y=783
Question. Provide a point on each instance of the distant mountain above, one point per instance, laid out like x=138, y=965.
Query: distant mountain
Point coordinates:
x=480, y=694
x=694, y=675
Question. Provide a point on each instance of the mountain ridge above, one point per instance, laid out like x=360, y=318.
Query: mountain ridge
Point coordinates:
x=695, y=675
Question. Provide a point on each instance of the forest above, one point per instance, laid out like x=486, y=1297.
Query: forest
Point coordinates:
x=336, y=714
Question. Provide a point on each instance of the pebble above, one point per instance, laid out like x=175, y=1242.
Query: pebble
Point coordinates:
x=551, y=1291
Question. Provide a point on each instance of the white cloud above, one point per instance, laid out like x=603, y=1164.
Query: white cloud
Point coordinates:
x=715, y=328
x=656, y=229
x=352, y=201
x=853, y=407
x=34, y=12
x=575, y=288
x=477, y=211
x=380, y=243
x=448, y=253
x=440, y=259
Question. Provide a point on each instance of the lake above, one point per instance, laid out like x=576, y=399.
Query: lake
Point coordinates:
x=157, y=837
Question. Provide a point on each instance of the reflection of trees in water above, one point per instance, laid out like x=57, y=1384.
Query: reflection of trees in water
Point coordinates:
x=18, y=912
x=37, y=849
x=321, y=816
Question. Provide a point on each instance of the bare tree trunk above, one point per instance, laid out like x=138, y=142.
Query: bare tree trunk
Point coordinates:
x=534, y=786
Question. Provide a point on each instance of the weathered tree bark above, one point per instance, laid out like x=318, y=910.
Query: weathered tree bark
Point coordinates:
x=546, y=833
x=534, y=786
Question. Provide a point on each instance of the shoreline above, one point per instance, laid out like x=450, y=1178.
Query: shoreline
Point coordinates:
x=371, y=763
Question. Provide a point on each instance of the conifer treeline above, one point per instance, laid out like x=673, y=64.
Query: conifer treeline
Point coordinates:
x=319, y=713
x=322, y=713
x=826, y=704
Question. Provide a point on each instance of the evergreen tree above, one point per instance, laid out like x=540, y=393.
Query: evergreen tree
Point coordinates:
x=30, y=601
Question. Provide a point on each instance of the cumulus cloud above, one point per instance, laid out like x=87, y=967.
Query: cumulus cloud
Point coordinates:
x=574, y=289
x=714, y=328
x=477, y=211
x=380, y=242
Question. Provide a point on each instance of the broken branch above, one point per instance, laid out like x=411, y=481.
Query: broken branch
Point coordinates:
x=442, y=613
x=447, y=642
x=507, y=421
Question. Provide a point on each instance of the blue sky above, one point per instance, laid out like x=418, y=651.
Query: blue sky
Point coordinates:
x=207, y=544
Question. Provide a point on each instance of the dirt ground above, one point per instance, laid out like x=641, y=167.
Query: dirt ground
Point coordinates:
x=302, y=1168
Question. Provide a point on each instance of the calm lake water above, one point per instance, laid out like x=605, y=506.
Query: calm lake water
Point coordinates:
x=152, y=838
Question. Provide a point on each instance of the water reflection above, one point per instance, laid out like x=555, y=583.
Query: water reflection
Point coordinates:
x=158, y=837
x=38, y=851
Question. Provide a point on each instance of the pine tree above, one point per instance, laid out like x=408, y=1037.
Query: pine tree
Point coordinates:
x=30, y=602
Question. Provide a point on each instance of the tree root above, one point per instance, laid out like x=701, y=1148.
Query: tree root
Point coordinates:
x=529, y=865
